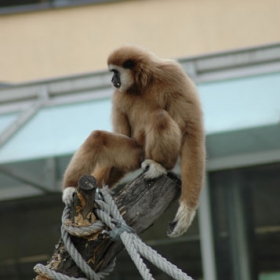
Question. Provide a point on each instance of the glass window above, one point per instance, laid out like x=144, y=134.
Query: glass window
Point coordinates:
x=246, y=213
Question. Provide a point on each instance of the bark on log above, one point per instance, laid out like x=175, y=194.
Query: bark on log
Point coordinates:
x=140, y=202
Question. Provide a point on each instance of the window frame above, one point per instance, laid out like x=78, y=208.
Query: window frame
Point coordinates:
x=51, y=4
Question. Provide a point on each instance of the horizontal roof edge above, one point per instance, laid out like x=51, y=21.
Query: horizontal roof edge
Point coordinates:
x=204, y=68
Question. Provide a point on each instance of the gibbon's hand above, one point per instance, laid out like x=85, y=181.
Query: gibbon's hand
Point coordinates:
x=182, y=221
x=68, y=195
x=155, y=169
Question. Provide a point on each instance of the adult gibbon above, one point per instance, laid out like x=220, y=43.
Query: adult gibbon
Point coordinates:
x=156, y=118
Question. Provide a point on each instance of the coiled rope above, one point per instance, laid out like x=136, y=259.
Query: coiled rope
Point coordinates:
x=110, y=216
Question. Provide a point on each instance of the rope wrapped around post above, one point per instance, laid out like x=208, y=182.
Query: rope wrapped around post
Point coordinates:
x=110, y=217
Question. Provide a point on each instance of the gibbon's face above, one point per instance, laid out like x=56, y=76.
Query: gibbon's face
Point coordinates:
x=122, y=78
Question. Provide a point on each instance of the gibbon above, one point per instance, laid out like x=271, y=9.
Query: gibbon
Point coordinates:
x=156, y=118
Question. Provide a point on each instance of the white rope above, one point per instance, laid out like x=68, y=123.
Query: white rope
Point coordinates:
x=155, y=258
x=110, y=216
x=130, y=247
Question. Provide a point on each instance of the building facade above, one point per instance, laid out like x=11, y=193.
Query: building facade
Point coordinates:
x=236, y=234
x=59, y=38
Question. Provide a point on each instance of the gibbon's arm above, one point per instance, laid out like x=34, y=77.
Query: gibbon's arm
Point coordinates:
x=120, y=122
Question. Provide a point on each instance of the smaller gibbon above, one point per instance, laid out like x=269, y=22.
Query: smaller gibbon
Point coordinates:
x=157, y=118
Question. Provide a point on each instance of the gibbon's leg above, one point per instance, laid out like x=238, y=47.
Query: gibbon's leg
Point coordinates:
x=162, y=146
x=115, y=175
x=101, y=174
x=105, y=150
x=107, y=176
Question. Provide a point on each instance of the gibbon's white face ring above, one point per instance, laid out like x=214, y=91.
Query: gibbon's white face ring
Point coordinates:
x=126, y=79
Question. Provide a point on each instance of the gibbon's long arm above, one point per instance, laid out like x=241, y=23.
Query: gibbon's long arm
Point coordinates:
x=192, y=174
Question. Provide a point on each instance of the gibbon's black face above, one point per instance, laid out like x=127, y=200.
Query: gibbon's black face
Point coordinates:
x=116, y=79
x=122, y=78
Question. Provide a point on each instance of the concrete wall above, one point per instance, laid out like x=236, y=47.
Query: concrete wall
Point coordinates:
x=62, y=42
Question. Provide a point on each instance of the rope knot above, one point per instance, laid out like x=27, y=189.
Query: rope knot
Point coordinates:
x=120, y=227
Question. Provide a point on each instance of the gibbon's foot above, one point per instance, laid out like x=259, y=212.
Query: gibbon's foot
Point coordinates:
x=182, y=221
x=67, y=195
x=155, y=169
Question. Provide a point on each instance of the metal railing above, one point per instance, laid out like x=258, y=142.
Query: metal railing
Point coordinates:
x=96, y=85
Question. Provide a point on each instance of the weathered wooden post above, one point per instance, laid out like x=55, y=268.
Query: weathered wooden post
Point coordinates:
x=140, y=202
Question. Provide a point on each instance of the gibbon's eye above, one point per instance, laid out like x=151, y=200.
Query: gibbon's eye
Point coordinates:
x=128, y=64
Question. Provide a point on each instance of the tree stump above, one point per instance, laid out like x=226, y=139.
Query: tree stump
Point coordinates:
x=140, y=202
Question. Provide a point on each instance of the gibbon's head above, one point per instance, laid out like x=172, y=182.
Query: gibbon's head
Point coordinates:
x=132, y=67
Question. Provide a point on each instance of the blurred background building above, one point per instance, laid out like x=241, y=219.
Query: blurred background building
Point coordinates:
x=55, y=89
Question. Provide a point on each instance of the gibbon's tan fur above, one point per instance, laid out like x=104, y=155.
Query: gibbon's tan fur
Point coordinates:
x=156, y=118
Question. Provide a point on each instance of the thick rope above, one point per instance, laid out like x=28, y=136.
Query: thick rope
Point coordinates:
x=73, y=252
x=79, y=231
x=155, y=258
x=130, y=247
x=110, y=216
